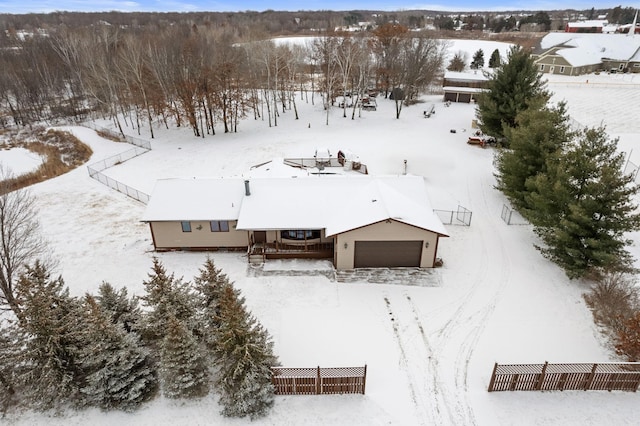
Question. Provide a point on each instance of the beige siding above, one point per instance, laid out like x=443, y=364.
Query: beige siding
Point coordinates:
x=169, y=235
x=387, y=230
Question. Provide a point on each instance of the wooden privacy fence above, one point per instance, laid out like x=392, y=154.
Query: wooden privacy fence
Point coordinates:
x=530, y=377
x=318, y=381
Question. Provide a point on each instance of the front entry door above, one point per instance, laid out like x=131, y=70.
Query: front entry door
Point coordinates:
x=259, y=236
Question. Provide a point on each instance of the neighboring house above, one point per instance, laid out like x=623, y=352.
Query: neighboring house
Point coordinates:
x=463, y=86
x=357, y=221
x=576, y=54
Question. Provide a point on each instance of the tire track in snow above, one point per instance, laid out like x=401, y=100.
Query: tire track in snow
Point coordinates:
x=404, y=361
x=433, y=383
x=411, y=358
x=478, y=321
x=462, y=332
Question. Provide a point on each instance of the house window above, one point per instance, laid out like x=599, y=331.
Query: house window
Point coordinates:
x=299, y=235
x=219, y=226
x=542, y=67
x=561, y=70
x=186, y=226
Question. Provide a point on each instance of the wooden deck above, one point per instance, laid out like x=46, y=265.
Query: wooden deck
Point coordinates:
x=291, y=251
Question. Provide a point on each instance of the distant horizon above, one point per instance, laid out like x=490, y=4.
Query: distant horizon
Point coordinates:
x=48, y=6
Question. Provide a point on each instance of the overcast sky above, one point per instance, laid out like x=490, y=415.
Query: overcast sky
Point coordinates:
x=43, y=6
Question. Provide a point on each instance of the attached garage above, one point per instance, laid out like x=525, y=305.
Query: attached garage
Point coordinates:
x=390, y=254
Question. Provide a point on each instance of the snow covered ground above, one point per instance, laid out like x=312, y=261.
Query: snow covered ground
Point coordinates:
x=430, y=349
x=19, y=160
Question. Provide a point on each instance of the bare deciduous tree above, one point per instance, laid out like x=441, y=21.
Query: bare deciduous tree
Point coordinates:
x=20, y=239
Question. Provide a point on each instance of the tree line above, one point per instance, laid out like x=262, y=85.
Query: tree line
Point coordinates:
x=199, y=77
x=116, y=352
x=570, y=185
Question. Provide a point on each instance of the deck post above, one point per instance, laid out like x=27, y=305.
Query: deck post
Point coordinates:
x=542, y=374
x=592, y=375
x=493, y=377
x=318, y=386
x=364, y=379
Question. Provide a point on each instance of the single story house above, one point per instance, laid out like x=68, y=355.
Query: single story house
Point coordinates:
x=463, y=86
x=356, y=221
x=578, y=53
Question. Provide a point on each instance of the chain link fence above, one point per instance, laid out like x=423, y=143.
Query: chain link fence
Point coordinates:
x=95, y=169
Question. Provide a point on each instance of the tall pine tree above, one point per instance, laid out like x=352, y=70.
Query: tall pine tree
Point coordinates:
x=541, y=132
x=165, y=295
x=52, y=322
x=478, y=60
x=512, y=88
x=494, y=59
x=119, y=372
x=585, y=206
x=244, y=357
x=183, y=368
x=209, y=286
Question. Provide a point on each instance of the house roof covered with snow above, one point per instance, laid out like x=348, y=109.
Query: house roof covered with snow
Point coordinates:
x=186, y=199
x=477, y=75
x=334, y=203
x=581, y=49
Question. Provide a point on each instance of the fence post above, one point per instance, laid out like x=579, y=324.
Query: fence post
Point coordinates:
x=318, y=386
x=542, y=374
x=493, y=377
x=592, y=376
x=364, y=379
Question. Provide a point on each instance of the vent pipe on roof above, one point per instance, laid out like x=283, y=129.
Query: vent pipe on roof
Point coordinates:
x=247, y=191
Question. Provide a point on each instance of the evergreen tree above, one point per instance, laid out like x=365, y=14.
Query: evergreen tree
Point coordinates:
x=244, y=357
x=52, y=322
x=585, y=206
x=494, y=60
x=119, y=372
x=164, y=295
x=540, y=132
x=478, y=60
x=121, y=309
x=458, y=62
x=512, y=88
x=183, y=368
x=10, y=364
x=210, y=285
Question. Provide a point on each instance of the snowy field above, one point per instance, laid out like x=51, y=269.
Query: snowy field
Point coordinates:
x=429, y=349
x=19, y=161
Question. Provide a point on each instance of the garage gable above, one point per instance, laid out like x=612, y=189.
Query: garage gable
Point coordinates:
x=388, y=243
